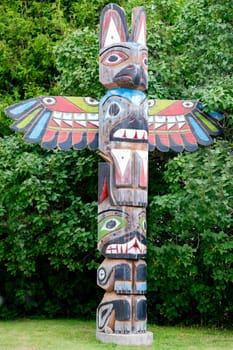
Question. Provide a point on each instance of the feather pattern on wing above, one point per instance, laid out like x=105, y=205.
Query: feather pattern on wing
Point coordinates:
x=57, y=122
x=180, y=125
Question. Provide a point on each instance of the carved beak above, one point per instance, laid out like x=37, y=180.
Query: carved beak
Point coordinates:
x=133, y=74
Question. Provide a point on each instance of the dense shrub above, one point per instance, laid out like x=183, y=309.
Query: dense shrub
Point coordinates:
x=190, y=239
x=47, y=229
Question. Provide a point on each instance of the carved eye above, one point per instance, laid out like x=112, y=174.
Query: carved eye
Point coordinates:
x=110, y=224
x=91, y=101
x=49, y=101
x=145, y=61
x=101, y=274
x=113, y=58
x=114, y=109
x=143, y=224
x=188, y=104
x=151, y=103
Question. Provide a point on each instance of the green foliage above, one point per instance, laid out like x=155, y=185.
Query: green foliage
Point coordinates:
x=48, y=222
x=190, y=252
x=83, y=13
x=191, y=57
x=27, y=36
x=28, y=33
x=77, y=62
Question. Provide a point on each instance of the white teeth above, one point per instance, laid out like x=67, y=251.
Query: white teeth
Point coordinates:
x=132, y=247
x=123, y=248
x=160, y=118
x=129, y=133
x=132, y=134
x=171, y=119
x=180, y=118
x=141, y=134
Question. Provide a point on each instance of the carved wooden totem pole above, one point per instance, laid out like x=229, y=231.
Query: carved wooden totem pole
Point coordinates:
x=123, y=180
x=124, y=126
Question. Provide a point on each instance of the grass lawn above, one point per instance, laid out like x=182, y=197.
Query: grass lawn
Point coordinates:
x=80, y=335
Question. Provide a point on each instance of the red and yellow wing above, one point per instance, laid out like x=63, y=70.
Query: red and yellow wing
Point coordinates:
x=180, y=125
x=57, y=122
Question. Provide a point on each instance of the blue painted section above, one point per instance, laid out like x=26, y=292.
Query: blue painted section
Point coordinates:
x=134, y=96
x=198, y=130
x=133, y=43
x=122, y=287
x=141, y=287
x=38, y=129
x=22, y=107
x=216, y=115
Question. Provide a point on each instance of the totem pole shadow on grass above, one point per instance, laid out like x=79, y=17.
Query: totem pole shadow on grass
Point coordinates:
x=124, y=126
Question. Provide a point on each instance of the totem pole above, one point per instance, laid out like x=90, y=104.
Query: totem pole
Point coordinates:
x=124, y=126
x=123, y=143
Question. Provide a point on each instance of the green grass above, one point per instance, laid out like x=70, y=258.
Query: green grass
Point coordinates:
x=79, y=335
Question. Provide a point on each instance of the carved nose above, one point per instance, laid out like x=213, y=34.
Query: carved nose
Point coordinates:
x=136, y=71
x=138, y=74
x=133, y=73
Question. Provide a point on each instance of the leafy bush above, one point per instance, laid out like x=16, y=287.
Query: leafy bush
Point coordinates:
x=78, y=65
x=190, y=239
x=47, y=229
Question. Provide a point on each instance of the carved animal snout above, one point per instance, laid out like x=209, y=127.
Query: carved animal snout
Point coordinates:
x=133, y=73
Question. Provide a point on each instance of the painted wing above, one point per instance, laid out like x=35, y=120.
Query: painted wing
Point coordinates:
x=181, y=125
x=57, y=122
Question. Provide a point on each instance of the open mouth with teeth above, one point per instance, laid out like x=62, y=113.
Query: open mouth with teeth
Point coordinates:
x=133, y=129
x=134, y=248
x=130, y=135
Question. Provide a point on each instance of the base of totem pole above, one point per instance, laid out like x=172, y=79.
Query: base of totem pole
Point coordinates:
x=144, y=339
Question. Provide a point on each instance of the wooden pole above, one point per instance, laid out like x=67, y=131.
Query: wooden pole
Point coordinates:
x=123, y=178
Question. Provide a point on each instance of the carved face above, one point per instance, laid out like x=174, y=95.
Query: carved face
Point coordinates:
x=123, y=57
x=124, y=65
x=123, y=119
x=123, y=141
x=122, y=232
